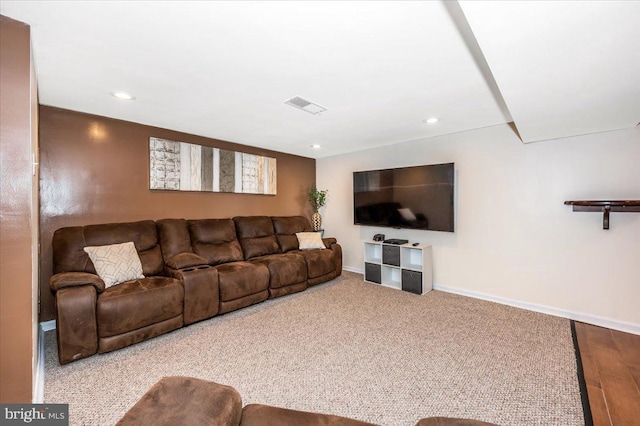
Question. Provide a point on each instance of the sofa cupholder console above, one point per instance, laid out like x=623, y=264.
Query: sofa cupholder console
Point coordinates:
x=193, y=270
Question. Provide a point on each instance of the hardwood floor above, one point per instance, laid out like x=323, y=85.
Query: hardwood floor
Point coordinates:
x=611, y=364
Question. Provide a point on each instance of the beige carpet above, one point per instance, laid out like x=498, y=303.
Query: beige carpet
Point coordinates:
x=353, y=349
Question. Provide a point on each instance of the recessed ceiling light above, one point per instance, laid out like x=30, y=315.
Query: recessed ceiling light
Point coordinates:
x=431, y=120
x=123, y=95
x=315, y=146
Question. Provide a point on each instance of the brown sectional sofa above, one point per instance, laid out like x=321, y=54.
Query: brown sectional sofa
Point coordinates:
x=193, y=269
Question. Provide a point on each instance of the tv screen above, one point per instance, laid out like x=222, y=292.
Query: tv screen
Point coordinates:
x=419, y=197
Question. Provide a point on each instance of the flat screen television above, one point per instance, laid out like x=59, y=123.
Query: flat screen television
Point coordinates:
x=418, y=197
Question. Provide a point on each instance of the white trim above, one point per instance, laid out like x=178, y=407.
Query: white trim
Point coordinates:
x=38, y=395
x=577, y=316
x=613, y=324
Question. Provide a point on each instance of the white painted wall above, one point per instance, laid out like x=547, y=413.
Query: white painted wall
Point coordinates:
x=515, y=240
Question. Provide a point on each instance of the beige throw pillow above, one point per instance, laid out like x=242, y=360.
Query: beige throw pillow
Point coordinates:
x=310, y=240
x=116, y=263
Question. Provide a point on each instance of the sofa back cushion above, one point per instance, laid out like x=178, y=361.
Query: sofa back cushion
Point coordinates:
x=256, y=236
x=286, y=229
x=174, y=237
x=215, y=240
x=69, y=244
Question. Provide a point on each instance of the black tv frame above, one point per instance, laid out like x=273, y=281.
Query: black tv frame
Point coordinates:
x=436, y=183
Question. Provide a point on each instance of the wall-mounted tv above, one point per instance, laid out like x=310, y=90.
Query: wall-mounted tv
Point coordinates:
x=418, y=197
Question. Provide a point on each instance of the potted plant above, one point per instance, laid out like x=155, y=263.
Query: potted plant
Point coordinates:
x=317, y=198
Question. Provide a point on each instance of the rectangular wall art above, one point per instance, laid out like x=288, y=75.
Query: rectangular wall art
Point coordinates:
x=181, y=166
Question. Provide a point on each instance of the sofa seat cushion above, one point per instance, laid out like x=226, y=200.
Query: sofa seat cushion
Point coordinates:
x=240, y=279
x=265, y=415
x=284, y=269
x=319, y=262
x=138, y=303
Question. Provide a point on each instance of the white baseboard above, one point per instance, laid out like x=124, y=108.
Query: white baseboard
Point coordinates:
x=577, y=316
x=38, y=393
x=627, y=327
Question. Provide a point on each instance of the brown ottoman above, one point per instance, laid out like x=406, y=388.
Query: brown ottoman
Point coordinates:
x=264, y=415
x=186, y=401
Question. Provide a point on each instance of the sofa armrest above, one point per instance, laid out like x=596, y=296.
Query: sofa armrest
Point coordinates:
x=201, y=291
x=185, y=260
x=328, y=242
x=332, y=244
x=75, y=279
x=76, y=324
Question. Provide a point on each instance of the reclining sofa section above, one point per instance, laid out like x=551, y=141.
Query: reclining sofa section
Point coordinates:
x=193, y=270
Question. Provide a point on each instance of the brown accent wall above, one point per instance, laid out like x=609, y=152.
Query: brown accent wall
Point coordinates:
x=16, y=191
x=96, y=170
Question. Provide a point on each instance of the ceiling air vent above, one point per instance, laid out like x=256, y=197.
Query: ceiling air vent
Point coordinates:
x=305, y=105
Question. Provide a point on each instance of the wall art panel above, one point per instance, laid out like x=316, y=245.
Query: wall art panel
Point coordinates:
x=181, y=166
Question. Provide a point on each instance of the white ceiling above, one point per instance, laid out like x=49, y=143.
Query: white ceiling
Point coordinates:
x=224, y=69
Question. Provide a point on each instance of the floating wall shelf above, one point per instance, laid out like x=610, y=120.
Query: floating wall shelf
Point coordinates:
x=605, y=207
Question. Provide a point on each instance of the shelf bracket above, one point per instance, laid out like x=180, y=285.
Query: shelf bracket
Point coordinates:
x=605, y=218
